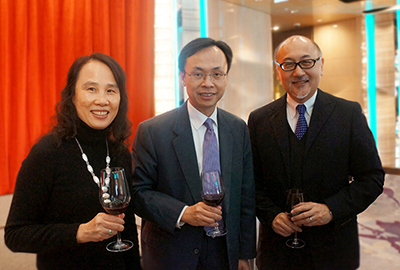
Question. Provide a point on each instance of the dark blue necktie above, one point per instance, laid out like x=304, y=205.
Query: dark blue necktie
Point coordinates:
x=301, y=126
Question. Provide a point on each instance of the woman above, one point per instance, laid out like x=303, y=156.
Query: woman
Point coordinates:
x=55, y=210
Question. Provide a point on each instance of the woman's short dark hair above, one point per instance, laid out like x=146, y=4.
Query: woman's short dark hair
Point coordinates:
x=67, y=119
x=201, y=43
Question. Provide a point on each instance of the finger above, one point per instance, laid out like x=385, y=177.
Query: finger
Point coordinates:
x=212, y=215
x=214, y=210
x=114, y=226
x=108, y=233
x=212, y=223
x=206, y=217
x=300, y=213
x=301, y=207
x=308, y=222
x=282, y=230
x=114, y=219
x=286, y=226
x=294, y=227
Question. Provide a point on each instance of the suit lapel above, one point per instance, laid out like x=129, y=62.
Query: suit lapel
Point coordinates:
x=277, y=117
x=186, y=153
x=225, y=138
x=323, y=108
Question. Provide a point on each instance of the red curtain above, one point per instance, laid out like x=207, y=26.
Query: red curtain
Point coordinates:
x=40, y=39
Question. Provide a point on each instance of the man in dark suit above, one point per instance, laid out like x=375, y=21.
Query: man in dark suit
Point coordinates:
x=168, y=151
x=335, y=163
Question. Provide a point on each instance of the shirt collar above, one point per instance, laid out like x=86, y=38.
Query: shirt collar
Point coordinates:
x=197, y=118
x=291, y=105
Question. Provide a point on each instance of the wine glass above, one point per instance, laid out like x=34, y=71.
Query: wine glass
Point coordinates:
x=115, y=198
x=212, y=194
x=295, y=196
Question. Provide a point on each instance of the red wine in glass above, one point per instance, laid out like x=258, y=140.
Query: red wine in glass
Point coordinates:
x=212, y=194
x=213, y=199
x=114, y=198
x=116, y=208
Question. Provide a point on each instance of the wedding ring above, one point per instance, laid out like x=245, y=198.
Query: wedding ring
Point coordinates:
x=110, y=231
x=310, y=218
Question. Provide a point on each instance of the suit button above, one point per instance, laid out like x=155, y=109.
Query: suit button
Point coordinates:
x=196, y=251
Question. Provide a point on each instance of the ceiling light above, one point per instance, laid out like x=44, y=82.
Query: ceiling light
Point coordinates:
x=276, y=28
x=335, y=26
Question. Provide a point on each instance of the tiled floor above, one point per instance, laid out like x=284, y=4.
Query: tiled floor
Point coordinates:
x=379, y=228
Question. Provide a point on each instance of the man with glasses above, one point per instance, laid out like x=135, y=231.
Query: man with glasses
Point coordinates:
x=168, y=155
x=321, y=145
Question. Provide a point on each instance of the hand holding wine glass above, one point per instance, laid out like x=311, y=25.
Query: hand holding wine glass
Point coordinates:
x=295, y=197
x=114, y=198
x=213, y=193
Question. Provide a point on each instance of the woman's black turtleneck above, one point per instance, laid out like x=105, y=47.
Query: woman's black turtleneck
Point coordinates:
x=55, y=193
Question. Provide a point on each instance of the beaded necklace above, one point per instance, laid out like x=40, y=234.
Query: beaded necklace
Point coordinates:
x=89, y=167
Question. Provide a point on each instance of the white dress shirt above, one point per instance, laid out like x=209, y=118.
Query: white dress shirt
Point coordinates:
x=197, y=120
x=198, y=130
x=293, y=115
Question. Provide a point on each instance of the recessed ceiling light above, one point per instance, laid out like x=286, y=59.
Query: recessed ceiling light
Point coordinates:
x=275, y=28
x=335, y=25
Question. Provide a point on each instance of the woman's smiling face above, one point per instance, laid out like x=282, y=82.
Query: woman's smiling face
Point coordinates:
x=97, y=95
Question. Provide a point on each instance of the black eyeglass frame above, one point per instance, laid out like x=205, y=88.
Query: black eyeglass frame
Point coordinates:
x=298, y=64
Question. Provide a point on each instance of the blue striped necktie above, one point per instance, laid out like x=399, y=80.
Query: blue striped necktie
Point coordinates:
x=211, y=161
x=210, y=149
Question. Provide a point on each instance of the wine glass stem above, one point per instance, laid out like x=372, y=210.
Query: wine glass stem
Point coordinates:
x=119, y=238
x=294, y=240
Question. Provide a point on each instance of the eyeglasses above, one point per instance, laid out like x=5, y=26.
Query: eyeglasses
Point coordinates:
x=199, y=76
x=304, y=64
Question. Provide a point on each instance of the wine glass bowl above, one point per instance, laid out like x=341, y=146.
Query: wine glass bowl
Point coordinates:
x=114, y=198
x=212, y=194
x=295, y=196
